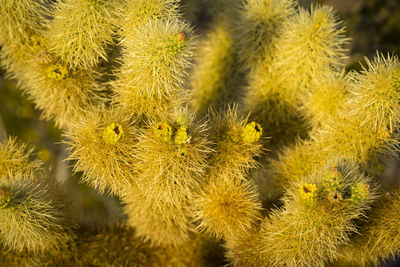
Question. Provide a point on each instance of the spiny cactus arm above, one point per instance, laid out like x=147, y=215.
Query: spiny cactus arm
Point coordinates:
x=135, y=13
x=258, y=25
x=372, y=114
x=172, y=161
x=154, y=66
x=163, y=223
x=212, y=79
x=375, y=92
x=18, y=161
x=378, y=238
x=61, y=93
x=103, y=144
x=80, y=31
x=102, y=245
x=227, y=207
x=352, y=133
x=229, y=204
x=21, y=26
x=317, y=217
x=310, y=47
x=33, y=217
x=264, y=99
x=172, y=156
x=323, y=105
x=237, y=142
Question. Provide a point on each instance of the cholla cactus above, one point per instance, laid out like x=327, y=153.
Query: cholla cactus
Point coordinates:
x=251, y=143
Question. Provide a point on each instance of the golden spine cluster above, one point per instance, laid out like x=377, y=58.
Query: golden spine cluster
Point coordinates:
x=251, y=140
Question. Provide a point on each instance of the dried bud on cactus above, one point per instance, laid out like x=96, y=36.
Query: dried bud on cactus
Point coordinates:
x=5, y=196
x=163, y=131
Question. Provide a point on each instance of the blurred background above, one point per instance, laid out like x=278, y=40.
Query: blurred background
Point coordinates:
x=373, y=25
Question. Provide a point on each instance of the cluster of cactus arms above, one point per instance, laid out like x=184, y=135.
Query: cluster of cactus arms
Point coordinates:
x=242, y=142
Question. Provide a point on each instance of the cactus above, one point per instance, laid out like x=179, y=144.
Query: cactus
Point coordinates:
x=245, y=143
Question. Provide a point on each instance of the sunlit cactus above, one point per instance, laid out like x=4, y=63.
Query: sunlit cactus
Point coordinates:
x=240, y=141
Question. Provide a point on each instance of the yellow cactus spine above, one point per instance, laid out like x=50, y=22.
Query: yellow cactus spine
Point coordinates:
x=212, y=77
x=228, y=208
x=260, y=23
x=315, y=220
x=33, y=217
x=18, y=161
x=154, y=65
x=172, y=160
x=376, y=91
x=240, y=138
x=80, y=31
x=377, y=240
x=22, y=22
x=103, y=142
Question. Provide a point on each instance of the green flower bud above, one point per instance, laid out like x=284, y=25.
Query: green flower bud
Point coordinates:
x=359, y=192
x=176, y=43
x=332, y=180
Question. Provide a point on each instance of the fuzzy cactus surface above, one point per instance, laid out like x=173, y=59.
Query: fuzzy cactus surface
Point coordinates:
x=219, y=132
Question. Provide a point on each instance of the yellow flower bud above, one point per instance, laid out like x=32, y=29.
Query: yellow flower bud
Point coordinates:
x=163, y=131
x=113, y=133
x=251, y=132
x=182, y=136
